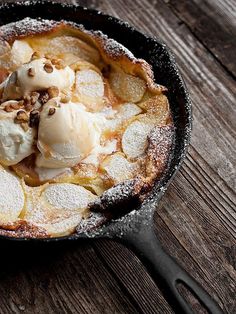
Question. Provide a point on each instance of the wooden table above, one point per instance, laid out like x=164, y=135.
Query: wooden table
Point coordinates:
x=196, y=221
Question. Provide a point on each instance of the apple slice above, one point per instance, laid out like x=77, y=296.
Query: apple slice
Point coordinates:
x=127, y=87
x=4, y=47
x=90, y=88
x=57, y=208
x=67, y=44
x=11, y=197
x=67, y=196
x=128, y=110
x=5, y=53
x=134, y=140
x=118, y=168
x=157, y=108
x=21, y=53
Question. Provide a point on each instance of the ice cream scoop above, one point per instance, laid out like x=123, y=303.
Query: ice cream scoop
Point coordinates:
x=67, y=134
x=15, y=143
x=37, y=75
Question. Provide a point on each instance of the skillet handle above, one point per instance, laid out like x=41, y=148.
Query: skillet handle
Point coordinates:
x=167, y=272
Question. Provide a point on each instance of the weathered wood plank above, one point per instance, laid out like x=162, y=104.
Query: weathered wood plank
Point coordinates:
x=203, y=243
x=62, y=278
x=196, y=222
x=132, y=274
x=214, y=23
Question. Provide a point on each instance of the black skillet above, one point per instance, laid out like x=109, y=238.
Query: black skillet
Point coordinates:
x=135, y=229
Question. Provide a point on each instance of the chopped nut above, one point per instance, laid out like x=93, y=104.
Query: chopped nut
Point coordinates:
x=34, y=97
x=48, y=68
x=28, y=107
x=34, y=94
x=15, y=106
x=31, y=72
x=48, y=56
x=59, y=64
x=33, y=100
x=27, y=99
x=34, y=119
x=65, y=98
x=51, y=111
x=43, y=98
x=55, y=61
x=59, y=67
x=35, y=56
x=25, y=126
x=22, y=116
x=21, y=103
x=27, y=103
x=8, y=108
x=53, y=91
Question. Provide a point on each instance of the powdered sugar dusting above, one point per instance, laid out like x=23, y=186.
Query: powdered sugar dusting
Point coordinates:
x=134, y=141
x=89, y=83
x=11, y=197
x=29, y=26
x=118, y=168
x=113, y=48
x=117, y=195
x=94, y=221
x=68, y=196
x=128, y=110
x=26, y=27
x=160, y=140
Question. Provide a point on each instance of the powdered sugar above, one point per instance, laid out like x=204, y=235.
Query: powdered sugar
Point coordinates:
x=68, y=196
x=117, y=195
x=128, y=87
x=56, y=208
x=89, y=83
x=115, y=49
x=11, y=197
x=29, y=26
x=4, y=47
x=118, y=168
x=25, y=27
x=134, y=141
x=128, y=110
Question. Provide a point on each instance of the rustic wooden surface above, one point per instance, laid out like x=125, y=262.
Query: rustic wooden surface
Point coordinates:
x=197, y=219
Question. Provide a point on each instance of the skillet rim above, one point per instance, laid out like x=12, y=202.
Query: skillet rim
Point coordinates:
x=159, y=187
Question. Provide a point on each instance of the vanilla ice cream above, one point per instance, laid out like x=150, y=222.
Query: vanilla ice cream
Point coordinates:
x=67, y=134
x=15, y=143
x=34, y=76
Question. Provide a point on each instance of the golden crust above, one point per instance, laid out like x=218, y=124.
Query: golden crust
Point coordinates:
x=158, y=152
x=22, y=229
x=111, y=51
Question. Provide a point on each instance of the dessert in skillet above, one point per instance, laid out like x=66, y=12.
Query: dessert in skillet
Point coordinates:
x=83, y=128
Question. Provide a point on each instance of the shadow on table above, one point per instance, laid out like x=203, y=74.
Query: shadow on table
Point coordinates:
x=19, y=257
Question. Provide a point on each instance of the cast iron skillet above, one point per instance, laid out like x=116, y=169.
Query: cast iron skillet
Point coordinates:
x=135, y=229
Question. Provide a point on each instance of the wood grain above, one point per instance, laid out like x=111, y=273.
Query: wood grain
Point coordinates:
x=196, y=222
x=214, y=24
x=63, y=278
